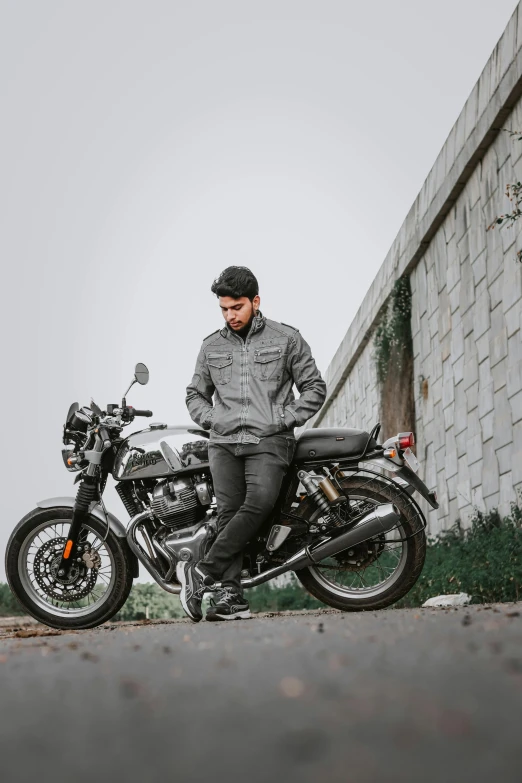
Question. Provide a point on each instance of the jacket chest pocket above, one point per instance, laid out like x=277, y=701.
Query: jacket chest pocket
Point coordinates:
x=220, y=366
x=268, y=364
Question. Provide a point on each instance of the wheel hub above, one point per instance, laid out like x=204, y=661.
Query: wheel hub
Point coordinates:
x=359, y=557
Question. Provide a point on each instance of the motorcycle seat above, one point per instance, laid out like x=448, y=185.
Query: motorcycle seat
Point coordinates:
x=331, y=443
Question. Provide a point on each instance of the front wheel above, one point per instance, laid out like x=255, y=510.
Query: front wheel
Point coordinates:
x=96, y=586
x=378, y=572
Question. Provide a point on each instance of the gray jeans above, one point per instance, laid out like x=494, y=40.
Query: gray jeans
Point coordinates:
x=247, y=480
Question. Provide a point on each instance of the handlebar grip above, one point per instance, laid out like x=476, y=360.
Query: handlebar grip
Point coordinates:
x=148, y=414
x=104, y=435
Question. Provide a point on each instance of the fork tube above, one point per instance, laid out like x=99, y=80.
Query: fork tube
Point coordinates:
x=85, y=496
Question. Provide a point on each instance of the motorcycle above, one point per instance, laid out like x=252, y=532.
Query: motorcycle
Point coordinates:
x=345, y=522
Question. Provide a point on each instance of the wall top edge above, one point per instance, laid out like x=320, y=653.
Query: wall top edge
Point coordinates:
x=492, y=97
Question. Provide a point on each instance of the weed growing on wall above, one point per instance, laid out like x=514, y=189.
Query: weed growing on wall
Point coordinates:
x=393, y=356
x=514, y=194
x=393, y=337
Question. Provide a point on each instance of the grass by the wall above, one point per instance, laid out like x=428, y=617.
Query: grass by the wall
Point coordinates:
x=484, y=561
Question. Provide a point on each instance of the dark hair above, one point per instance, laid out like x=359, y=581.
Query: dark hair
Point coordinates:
x=236, y=281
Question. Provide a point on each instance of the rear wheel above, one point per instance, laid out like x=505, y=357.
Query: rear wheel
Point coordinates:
x=378, y=572
x=97, y=585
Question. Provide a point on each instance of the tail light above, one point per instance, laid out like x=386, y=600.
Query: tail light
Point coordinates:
x=406, y=440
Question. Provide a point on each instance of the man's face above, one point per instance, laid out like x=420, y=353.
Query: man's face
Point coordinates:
x=238, y=312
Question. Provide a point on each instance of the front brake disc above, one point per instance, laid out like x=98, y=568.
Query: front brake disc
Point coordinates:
x=79, y=582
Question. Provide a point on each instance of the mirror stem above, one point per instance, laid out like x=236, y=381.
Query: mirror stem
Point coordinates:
x=130, y=387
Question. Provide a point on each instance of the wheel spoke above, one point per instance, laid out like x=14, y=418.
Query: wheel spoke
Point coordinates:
x=374, y=563
x=82, y=588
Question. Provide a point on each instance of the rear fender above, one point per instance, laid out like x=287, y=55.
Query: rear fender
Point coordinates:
x=411, y=478
x=405, y=474
x=115, y=525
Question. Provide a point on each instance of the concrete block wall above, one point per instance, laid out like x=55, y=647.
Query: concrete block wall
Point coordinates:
x=466, y=321
x=467, y=304
x=356, y=404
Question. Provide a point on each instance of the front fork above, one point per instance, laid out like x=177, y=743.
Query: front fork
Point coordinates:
x=85, y=496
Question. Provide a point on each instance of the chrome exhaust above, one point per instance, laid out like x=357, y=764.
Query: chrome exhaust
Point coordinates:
x=143, y=557
x=380, y=520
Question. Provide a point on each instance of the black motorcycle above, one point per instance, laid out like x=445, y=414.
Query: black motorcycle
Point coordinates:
x=345, y=521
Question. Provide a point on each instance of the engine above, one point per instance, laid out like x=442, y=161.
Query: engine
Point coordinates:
x=182, y=501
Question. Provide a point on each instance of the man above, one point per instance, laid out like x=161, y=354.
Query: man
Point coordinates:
x=242, y=392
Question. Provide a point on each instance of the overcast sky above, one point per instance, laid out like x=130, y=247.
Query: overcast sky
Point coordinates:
x=144, y=146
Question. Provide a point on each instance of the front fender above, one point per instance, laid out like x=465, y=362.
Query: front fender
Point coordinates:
x=115, y=525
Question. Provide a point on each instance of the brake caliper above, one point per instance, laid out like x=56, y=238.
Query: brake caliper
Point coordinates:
x=91, y=557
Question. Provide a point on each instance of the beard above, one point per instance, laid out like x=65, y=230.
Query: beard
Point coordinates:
x=247, y=324
x=242, y=331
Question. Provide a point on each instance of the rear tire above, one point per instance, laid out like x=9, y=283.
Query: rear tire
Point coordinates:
x=112, y=599
x=412, y=524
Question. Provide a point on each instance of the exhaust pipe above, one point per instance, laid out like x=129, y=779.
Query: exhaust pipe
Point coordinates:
x=143, y=557
x=380, y=520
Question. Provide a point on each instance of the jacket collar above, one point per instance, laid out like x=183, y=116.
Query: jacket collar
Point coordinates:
x=258, y=323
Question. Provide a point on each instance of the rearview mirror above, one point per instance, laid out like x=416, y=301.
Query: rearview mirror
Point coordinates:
x=141, y=373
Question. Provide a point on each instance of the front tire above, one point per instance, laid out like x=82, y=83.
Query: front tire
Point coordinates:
x=31, y=554
x=373, y=491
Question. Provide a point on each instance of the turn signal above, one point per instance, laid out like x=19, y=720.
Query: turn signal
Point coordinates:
x=406, y=440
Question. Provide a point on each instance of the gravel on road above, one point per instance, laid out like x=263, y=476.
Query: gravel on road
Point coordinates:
x=398, y=695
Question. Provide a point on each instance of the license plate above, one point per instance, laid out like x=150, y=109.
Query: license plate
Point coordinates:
x=411, y=460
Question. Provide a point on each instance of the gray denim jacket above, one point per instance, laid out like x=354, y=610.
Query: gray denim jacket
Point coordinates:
x=251, y=382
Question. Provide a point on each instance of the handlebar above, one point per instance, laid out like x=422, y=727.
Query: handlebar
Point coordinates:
x=105, y=437
x=148, y=414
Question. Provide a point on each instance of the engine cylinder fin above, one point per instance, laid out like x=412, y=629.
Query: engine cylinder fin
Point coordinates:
x=176, y=503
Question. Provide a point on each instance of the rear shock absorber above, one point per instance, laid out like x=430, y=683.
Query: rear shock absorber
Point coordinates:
x=324, y=494
x=128, y=499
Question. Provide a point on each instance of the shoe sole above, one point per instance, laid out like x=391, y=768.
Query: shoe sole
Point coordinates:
x=246, y=615
x=180, y=573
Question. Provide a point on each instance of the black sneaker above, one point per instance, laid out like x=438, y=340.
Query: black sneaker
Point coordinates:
x=228, y=606
x=194, y=583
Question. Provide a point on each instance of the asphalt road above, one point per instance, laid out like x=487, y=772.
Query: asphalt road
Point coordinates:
x=395, y=696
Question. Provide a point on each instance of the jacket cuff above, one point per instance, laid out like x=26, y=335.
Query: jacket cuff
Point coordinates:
x=290, y=420
x=207, y=418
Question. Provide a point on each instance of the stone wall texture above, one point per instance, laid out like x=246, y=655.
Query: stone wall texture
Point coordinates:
x=466, y=308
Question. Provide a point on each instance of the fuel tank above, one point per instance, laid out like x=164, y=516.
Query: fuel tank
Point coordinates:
x=160, y=451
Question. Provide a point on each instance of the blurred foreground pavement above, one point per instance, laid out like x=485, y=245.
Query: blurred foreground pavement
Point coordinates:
x=394, y=696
